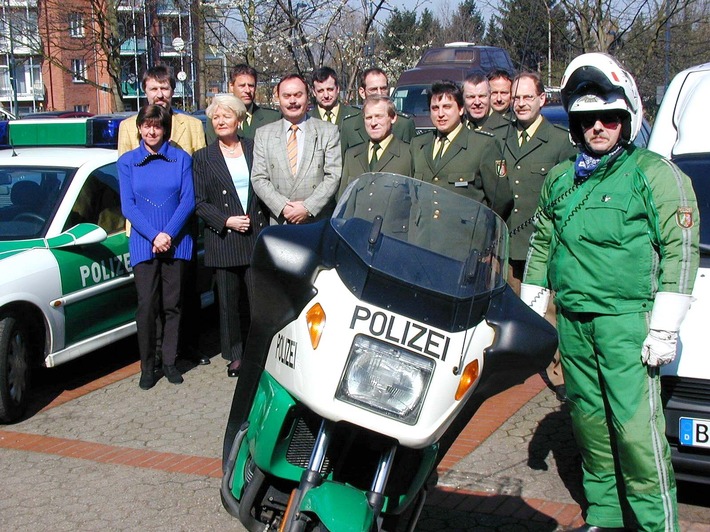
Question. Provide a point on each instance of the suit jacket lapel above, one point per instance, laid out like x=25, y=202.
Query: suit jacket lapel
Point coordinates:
x=360, y=155
x=458, y=144
x=177, y=129
x=391, y=151
x=281, y=141
x=218, y=167
x=310, y=138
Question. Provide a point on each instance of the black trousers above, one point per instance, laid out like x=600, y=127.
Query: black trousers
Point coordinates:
x=234, y=286
x=158, y=280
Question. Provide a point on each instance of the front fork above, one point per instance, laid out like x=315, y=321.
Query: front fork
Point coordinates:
x=312, y=478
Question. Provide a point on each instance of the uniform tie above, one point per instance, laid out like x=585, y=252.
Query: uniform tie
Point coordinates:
x=292, y=149
x=329, y=116
x=442, y=145
x=524, y=137
x=373, y=160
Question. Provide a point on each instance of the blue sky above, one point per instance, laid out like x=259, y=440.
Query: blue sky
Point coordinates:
x=486, y=6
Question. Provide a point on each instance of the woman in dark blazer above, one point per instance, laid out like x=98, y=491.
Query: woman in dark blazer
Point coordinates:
x=233, y=215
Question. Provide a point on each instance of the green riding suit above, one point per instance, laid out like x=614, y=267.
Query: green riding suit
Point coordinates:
x=606, y=245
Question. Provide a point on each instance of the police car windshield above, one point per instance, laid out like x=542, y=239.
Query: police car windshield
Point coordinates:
x=423, y=235
x=28, y=199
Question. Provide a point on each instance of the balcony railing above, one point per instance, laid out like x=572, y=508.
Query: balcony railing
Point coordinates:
x=171, y=7
x=131, y=5
x=134, y=46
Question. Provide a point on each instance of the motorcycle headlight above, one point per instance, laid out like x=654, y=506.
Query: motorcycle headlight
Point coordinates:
x=385, y=379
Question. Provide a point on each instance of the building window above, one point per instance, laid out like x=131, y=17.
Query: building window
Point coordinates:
x=76, y=24
x=78, y=68
x=81, y=108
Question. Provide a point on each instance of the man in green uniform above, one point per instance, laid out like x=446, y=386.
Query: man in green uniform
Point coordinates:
x=384, y=152
x=454, y=156
x=373, y=81
x=617, y=240
x=326, y=91
x=242, y=83
x=477, y=99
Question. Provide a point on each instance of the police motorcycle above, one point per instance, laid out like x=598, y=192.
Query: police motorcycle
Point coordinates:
x=375, y=337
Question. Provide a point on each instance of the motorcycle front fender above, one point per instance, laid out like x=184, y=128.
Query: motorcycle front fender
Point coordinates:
x=339, y=507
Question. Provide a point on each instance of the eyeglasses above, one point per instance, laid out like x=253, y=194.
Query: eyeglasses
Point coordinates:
x=377, y=90
x=527, y=98
x=608, y=119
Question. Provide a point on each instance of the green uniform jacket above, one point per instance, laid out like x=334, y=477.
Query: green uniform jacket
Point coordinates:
x=344, y=111
x=395, y=159
x=259, y=117
x=608, y=245
x=353, y=131
x=490, y=122
x=526, y=168
x=464, y=168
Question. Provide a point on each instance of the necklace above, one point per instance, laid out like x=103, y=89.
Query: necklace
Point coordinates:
x=228, y=150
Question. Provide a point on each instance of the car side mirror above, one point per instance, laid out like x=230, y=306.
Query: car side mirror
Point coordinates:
x=79, y=235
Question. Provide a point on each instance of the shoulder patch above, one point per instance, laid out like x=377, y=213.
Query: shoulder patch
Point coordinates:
x=684, y=217
x=404, y=115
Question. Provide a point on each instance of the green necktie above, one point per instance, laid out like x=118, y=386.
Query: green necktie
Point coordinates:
x=442, y=145
x=373, y=160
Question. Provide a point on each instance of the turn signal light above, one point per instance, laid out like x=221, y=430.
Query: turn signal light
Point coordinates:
x=315, y=318
x=468, y=378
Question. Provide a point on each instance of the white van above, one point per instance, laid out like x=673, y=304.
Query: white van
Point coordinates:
x=680, y=134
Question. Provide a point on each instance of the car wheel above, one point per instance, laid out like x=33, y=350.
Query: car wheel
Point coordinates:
x=14, y=368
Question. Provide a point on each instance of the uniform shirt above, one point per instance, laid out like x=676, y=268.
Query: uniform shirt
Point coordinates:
x=607, y=244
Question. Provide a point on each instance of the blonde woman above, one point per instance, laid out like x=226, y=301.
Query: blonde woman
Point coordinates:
x=234, y=216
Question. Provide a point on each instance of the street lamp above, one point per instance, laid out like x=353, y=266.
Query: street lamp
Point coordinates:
x=179, y=46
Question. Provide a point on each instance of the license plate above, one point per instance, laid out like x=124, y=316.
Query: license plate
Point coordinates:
x=694, y=432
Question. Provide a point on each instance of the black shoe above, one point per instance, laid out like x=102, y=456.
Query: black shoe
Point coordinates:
x=173, y=375
x=233, y=368
x=561, y=393
x=593, y=528
x=147, y=380
x=193, y=355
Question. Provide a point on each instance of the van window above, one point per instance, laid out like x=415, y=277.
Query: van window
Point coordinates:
x=412, y=99
x=450, y=55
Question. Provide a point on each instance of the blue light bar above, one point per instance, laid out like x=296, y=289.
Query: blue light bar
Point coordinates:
x=4, y=134
x=102, y=131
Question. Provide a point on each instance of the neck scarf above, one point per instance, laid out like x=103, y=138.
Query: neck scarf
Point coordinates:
x=587, y=162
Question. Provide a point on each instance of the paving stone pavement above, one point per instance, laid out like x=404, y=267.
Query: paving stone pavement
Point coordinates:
x=101, y=454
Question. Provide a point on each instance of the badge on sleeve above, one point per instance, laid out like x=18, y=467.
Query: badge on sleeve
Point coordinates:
x=501, y=168
x=684, y=217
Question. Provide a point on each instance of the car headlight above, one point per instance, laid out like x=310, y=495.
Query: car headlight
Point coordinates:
x=385, y=379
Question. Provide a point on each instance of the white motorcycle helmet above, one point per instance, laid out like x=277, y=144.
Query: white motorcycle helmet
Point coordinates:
x=597, y=82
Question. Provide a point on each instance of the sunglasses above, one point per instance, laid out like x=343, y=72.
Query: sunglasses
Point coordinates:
x=608, y=119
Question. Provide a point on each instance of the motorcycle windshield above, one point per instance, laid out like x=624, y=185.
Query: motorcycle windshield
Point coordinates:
x=423, y=235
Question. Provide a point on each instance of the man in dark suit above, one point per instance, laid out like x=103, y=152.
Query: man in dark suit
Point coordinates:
x=477, y=99
x=383, y=152
x=326, y=92
x=242, y=84
x=373, y=81
x=297, y=161
x=453, y=158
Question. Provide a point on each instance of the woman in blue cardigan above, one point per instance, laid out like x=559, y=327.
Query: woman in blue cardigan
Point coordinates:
x=157, y=197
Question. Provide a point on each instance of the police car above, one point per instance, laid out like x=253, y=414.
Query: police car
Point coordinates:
x=679, y=133
x=66, y=282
